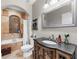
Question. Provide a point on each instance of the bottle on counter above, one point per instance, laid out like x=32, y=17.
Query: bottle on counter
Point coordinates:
x=59, y=40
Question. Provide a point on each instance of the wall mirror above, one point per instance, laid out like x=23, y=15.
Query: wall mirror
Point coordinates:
x=61, y=14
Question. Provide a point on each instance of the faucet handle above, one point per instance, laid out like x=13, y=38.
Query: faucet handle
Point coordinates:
x=49, y=38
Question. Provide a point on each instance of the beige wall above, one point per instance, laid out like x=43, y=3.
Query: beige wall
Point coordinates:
x=5, y=26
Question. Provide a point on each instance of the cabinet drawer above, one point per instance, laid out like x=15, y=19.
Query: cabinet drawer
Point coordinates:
x=6, y=51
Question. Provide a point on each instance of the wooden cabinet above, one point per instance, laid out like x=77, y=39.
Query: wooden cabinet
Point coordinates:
x=6, y=51
x=61, y=55
x=44, y=52
x=41, y=52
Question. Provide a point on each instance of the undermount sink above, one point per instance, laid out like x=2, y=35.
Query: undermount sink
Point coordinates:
x=48, y=42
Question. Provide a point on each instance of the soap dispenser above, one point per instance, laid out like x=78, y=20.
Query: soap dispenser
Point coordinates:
x=66, y=41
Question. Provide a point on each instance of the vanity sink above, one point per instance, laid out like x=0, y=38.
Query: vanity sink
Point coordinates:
x=48, y=42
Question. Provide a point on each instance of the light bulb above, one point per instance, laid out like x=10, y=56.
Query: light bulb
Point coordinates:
x=46, y=6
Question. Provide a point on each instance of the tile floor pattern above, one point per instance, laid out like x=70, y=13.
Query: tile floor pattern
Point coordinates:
x=16, y=55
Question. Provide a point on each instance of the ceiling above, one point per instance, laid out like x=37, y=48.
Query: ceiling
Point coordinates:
x=5, y=3
x=20, y=5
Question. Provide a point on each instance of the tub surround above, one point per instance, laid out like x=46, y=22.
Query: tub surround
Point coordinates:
x=11, y=46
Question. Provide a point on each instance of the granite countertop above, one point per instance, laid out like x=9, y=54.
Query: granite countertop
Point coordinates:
x=11, y=41
x=67, y=48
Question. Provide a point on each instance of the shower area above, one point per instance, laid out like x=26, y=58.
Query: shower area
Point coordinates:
x=16, y=32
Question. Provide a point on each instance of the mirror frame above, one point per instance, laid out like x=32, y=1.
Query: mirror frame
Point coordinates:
x=74, y=17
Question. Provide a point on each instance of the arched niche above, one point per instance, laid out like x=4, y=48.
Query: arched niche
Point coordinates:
x=14, y=24
x=22, y=15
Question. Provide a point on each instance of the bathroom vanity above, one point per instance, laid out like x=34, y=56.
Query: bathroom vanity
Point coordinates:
x=53, y=51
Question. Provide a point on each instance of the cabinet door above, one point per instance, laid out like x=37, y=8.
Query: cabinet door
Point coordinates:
x=61, y=55
x=36, y=50
x=50, y=54
x=41, y=52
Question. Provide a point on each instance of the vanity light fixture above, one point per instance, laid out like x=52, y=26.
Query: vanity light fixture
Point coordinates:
x=52, y=2
x=48, y=3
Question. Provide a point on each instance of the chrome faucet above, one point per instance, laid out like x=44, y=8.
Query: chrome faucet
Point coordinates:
x=49, y=37
x=52, y=36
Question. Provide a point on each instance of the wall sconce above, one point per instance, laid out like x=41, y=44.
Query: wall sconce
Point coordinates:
x=5, y=12
x=24, y=15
